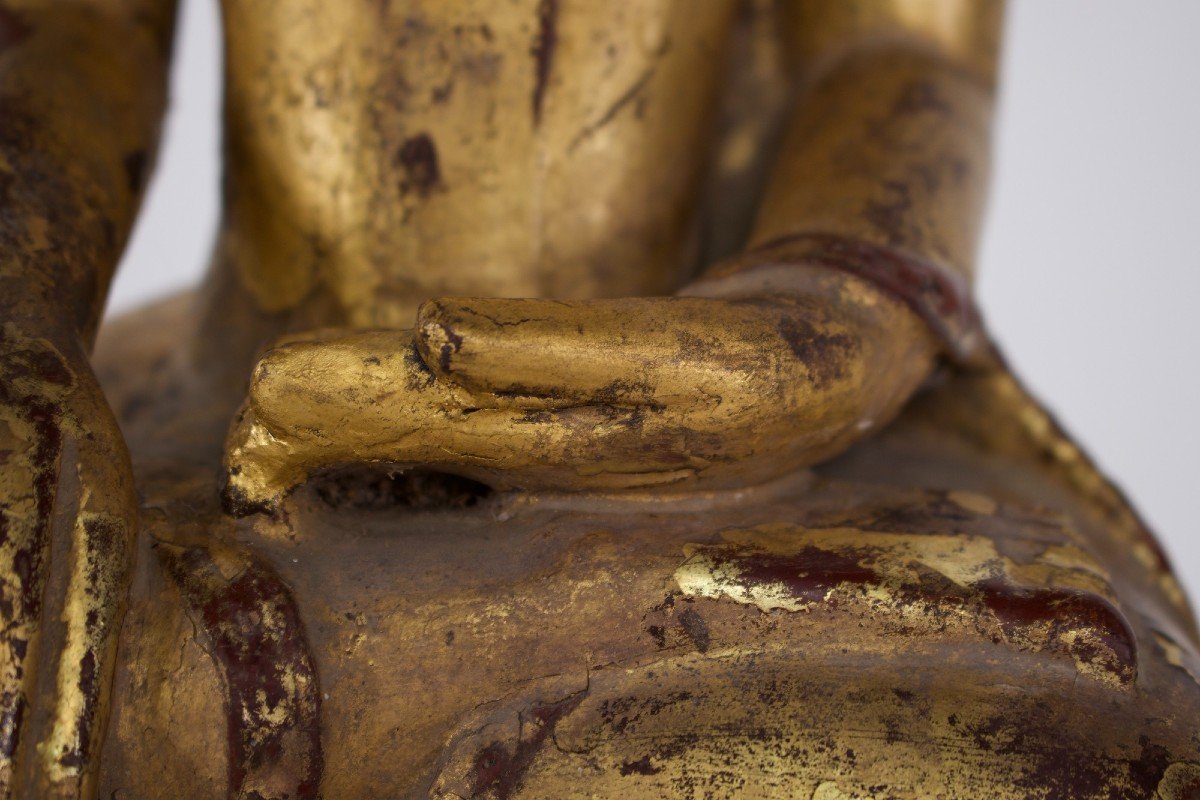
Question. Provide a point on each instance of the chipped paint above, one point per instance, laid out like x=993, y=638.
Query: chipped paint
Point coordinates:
x=1058, y=603
x=273, y=696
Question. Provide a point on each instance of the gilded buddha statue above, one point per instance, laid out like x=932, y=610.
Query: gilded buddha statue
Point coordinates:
x=585, y=400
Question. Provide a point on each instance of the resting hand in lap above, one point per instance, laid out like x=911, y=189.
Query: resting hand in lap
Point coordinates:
x=852, y=281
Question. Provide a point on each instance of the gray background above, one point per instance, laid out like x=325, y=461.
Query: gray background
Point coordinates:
x=1090, y=269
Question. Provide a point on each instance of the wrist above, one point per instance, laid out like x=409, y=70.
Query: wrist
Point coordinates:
x=825, y=266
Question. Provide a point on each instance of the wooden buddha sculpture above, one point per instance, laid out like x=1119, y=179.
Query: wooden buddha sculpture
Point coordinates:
x=586, y=400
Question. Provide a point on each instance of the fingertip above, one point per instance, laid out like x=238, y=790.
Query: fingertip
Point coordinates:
x=301, y=365
x=252, y=468
x=270, y=367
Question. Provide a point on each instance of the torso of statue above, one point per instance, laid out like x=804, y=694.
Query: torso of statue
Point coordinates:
x=385, y=153
x=600, y=574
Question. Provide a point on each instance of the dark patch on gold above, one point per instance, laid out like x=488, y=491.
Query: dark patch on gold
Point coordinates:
x=937, y=295
x=824, y=355
x=542, y=51
x=499, y=771
x=273, y=697
x=419, y=158
x=696, y=628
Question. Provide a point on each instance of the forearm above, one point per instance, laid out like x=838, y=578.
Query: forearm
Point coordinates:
x=883, y=169
x=82, y=91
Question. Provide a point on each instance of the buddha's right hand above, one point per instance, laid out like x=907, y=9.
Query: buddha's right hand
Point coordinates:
x=745, y=383
x=67, y=515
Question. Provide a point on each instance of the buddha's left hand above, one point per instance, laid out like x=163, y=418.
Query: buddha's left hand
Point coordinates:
x=734, y=382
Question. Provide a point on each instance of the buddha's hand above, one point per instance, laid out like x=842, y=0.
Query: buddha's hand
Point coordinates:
x=742, y=380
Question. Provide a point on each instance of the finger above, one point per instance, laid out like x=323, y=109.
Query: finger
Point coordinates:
x=590, y=446
x=586, y=447
x=599, y=447
x=658, y=352
x=320, y=401
x=369, y=398
x=781, y=387
x=316, y=385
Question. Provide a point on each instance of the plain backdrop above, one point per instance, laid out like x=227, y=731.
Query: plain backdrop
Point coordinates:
x=1090, y=268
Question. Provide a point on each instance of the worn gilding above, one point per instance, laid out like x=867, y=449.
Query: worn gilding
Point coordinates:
x=585, y=400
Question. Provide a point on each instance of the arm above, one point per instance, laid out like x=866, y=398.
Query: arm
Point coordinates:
x=82, y=91
x=883, y=171
x=853, y=281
